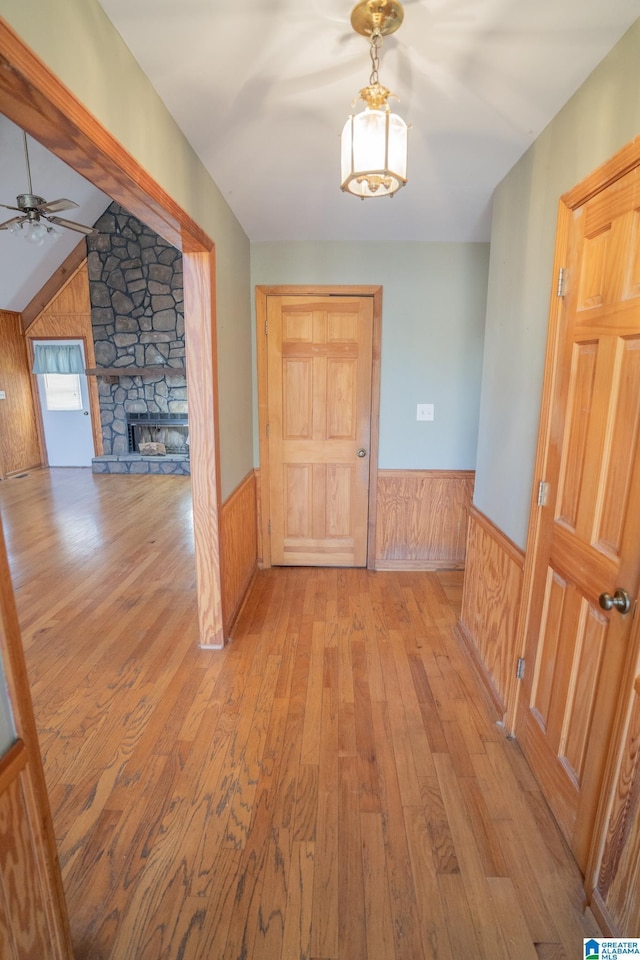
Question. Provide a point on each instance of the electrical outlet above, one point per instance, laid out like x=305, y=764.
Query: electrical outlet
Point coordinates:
x=3, y=395
x=425, y=411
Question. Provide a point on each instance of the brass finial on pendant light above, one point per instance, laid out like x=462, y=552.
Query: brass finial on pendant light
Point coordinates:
x=374, y=142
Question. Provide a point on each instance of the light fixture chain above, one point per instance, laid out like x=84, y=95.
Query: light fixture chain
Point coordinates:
x=376, y=43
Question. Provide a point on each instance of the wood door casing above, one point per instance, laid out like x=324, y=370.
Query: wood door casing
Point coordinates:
x=319, y=412
x=588, y=539
x=262, y=295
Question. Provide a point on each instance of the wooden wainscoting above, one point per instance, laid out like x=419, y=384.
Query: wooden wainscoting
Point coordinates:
x=239, y=543
x=422, y=519
x=491, y=604
x=616, y=899
x=19, y=447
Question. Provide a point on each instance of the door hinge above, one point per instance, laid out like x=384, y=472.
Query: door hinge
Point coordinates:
x=269, y=526
x=267, y=431
x=543, y=490
x=561, y=278
x=520, y=669
x=266, y=328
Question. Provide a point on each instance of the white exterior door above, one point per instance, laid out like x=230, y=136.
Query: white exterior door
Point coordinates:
x=66, y=416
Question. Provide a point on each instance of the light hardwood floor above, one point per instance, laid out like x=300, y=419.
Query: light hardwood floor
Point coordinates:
x=332, y=785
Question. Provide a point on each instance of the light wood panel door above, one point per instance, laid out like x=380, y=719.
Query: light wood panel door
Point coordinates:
x=589, y=540
x=319, y=415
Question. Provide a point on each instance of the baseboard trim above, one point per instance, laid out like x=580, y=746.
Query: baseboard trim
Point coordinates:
x=427, y=565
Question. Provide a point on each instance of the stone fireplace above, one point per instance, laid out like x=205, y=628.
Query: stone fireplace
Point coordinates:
x=136, y=289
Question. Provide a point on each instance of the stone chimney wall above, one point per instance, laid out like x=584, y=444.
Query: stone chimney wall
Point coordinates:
x=136, y=289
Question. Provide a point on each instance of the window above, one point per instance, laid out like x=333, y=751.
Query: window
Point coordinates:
x=62, y=391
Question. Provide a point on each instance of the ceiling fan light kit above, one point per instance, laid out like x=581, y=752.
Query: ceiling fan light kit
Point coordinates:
x=35, y=222
x=374, y=142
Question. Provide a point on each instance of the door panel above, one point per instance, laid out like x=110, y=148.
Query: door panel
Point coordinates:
x=589, y=540
x=319, y=403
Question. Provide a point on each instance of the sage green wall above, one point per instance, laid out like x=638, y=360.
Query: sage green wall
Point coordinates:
x=597, y=121
x=78, y=43
x=434, y=298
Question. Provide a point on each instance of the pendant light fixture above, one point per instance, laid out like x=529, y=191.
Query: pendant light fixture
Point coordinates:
x=374, y=142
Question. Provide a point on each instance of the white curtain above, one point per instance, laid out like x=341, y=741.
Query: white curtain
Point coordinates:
x=58, y=358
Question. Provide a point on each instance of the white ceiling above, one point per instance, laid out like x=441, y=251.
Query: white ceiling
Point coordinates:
x=261, y=90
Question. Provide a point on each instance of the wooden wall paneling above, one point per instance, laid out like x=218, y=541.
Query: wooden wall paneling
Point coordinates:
x=490, y=604
x=422, y=519
x=238, y=561
x=70, y=297
x=68, y=316
x=19, y=446
x=616, y=898
x=54, y=284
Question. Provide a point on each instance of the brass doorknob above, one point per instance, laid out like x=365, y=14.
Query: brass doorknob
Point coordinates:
x=620, y=601
x=362, y=452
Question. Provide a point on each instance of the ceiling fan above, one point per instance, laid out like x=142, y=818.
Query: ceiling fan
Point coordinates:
x=34, y=210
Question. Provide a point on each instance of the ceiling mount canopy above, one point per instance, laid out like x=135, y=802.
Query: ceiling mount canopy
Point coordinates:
x=377, y=16
x=374, y=142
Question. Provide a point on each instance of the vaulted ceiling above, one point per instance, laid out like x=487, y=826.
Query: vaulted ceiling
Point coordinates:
x=262, y=89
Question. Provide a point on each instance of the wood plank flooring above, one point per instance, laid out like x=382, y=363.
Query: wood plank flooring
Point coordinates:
x=331, y=786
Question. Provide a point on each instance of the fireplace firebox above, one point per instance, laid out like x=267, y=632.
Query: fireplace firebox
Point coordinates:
x=171, y=429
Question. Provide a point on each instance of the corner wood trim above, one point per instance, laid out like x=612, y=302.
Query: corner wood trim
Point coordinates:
x=322, y=290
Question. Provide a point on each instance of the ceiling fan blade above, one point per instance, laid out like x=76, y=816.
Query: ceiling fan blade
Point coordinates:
x=10, y=223
x=57, y=206
x=7, y=207
x=70, y=225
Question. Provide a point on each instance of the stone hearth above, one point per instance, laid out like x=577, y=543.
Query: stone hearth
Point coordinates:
x=175, y=464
